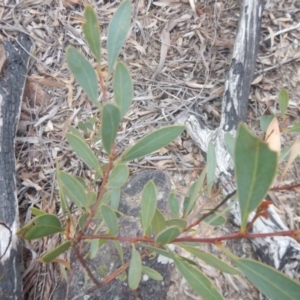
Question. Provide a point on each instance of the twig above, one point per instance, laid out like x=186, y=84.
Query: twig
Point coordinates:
x=85, y=266
x=213, y=240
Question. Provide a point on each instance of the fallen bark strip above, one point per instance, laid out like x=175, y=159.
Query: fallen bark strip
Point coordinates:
x=282, y=253
x=12, y=82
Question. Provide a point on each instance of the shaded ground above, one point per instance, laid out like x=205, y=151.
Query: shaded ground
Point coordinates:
x=193, y=72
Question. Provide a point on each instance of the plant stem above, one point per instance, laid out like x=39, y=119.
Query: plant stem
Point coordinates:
x=85, y=266
x=213, y=240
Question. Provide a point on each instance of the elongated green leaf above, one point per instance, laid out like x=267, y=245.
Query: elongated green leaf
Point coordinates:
x=115, y=199
x=158, y=222
x=177, y=222
x=123, y=88
x=74, y=131
x=91, y=198
x=168, y=235
x=214, y=220
x=83, y=151
x=230, y=142
x=83, y=73
x=174, y=205
x=265, y=122
x=152, y=142
x=211, y=166
x=37, y=212
x=110, y=125
x=94, y=248
x=41, y=226
x=49, y=256
x=194, y=193
x=211, y=260
x=118, y=176
x=255, y=169
x=295, y=128
x=197, y=280
x=119, y=249
x=92, y=32
x=272, y=283
x=73, y=189
x=151, y=273
x=283, y=102
x=148, y=205
x=110, y=219
x=135, y=269
x=117, y=32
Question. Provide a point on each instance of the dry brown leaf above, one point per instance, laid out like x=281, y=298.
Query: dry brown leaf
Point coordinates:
x=195, y=85
x=47, y=81
x=272, y=137
x=295, y=151
x=63, y=262
x=165, y=44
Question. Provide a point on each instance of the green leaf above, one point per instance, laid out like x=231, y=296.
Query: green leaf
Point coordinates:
x=73, y=189
x=272, y=283
x=41, y=226
x=110, y=219
x=115, y=199
x=74, y=131
x=110, y=125
x=36, y=211
x=174, y=205
x=92, y=32
x=123, y=276
x=91, y=198
x=295, y=128
x=83, y=73
x=230, y=142
x=94, y=248
x=153, y=142
x=84, y=152
x=283, y=102
x=82, y=220
x=265, y=122
x=211, y=166
x=117, y=32
x=51, y=255
x=215, y=220
x=148, y=205
x=197, y=280
x=194, y=193
x=168, y=235
x=119, y=249
x=118, y=176
x=123, y=88
x=151, y=273
x=135, y=269
x=158, y=222
x=211, y=260
x=177, y=222
x=255, y=169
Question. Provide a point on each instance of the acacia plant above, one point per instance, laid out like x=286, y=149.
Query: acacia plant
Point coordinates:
x=256, y=165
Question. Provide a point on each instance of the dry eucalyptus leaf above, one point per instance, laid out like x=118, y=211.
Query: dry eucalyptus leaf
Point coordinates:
x=272, y=137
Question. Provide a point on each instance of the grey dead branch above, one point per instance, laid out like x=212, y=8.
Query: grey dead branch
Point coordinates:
x=282, y=253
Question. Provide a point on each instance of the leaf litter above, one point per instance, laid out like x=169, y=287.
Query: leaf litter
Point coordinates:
x=178, y=53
